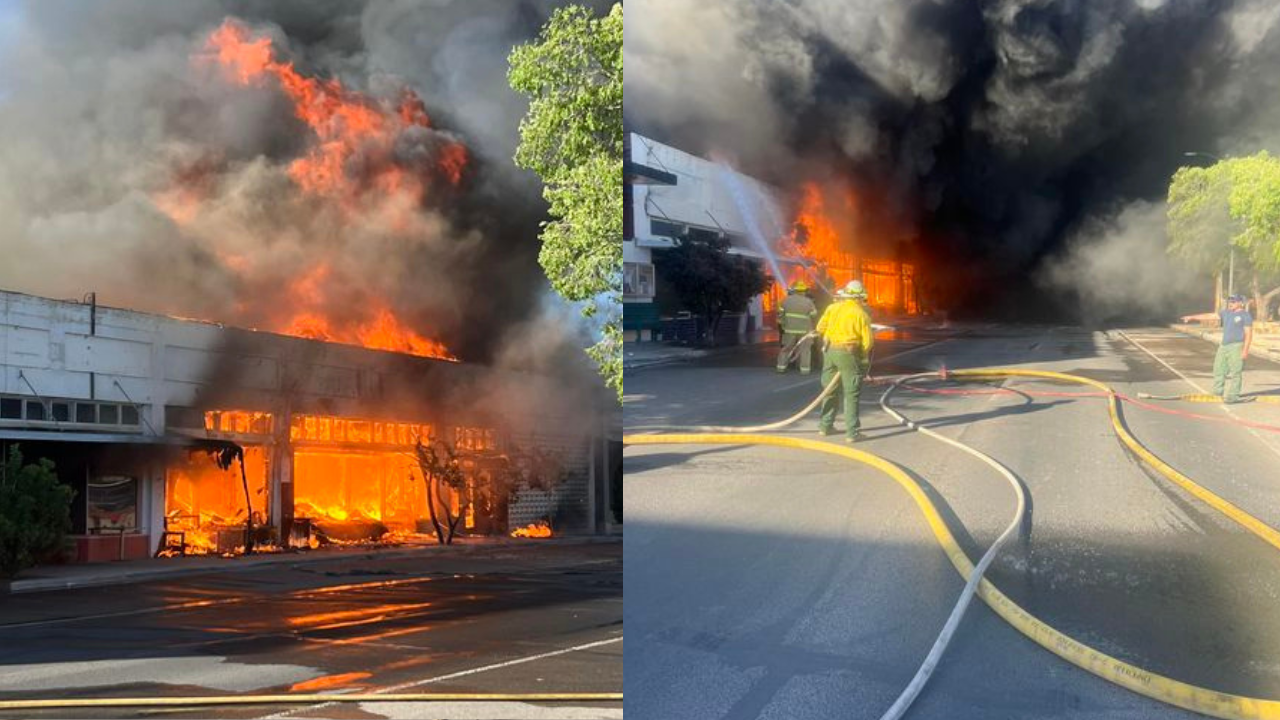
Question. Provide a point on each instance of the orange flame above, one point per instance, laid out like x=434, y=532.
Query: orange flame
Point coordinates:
x=816, y=238
x=818, y=241
x=347, y=125
x=352, y=161
x=375, y=325
x=533, y=530
x=385, y=332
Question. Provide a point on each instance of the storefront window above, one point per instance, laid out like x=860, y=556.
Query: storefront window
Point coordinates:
x=113, y=503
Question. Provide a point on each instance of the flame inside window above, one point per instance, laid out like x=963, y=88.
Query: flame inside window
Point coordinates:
x=207, y=504
x=241, y=422
x=825, y=261
x=353, y=478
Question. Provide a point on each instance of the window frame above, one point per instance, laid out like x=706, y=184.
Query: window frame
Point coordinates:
x=639, y=280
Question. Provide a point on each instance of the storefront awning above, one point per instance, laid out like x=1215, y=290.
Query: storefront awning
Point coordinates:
x=110, y=438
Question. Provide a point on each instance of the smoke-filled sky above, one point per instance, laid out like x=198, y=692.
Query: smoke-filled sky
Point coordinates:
x=1023, y=142
x=132, y=164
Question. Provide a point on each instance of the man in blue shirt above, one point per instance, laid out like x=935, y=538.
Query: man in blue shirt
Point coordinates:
x=1237, y=335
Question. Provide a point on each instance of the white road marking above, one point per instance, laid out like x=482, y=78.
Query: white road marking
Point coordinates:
x=1167, y=366
x=1225, y=408
x=490, y=710
x=462, y=673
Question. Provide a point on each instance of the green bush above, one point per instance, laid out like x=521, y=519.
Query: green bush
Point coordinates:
x=35, y=513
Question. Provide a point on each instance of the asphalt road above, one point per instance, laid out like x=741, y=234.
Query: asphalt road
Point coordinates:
x=542, y=617
x=774, y=583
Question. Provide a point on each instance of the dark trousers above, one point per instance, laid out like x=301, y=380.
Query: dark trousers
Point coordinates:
x=804, y=353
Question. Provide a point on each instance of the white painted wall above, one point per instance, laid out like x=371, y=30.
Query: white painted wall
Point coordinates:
x=705, y=195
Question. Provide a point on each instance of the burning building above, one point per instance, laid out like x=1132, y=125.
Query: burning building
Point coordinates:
x=334, y=183
x=134, y=407
x=809, y=232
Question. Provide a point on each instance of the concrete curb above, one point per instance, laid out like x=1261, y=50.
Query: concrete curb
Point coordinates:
x=107, y=577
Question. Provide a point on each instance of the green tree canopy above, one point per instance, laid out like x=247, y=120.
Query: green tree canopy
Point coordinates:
x=1254, y=203
x=706, y=279
x=1200, y=227
x=572, y=138
x=35, y=512
x=1234, y=203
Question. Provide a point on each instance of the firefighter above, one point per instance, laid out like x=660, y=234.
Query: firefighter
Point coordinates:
x=1237, y=336
x=796, y=316
x=846, y=330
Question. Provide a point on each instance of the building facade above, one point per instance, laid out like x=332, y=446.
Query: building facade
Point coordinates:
x=134, y=409
x=671, y=193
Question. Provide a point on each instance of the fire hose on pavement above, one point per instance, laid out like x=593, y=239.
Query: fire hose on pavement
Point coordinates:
x=1134, y=678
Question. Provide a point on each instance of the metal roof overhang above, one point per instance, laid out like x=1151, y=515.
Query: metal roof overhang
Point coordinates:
x=637, y=174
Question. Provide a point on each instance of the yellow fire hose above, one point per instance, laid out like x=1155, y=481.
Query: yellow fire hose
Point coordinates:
x=298, y=699
x=1134, y=678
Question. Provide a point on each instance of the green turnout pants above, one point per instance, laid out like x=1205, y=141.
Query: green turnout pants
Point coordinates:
x=851, y=370
x=1228, y=371
x=789, y=341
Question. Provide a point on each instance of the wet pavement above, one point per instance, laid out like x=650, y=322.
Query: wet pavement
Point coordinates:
x=541, y=617
x=803, y=586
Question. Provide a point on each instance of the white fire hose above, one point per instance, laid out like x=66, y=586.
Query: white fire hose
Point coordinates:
x=930, y=663
x=899, y=707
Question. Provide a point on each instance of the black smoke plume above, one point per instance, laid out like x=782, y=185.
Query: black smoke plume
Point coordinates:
x=105, y=118
x=1011, y=137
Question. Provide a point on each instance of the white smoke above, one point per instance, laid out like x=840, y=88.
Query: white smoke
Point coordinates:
x=1116, y=267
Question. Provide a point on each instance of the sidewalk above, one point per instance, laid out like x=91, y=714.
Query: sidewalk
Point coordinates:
x=636, y=355
x=64, y=577
x=1265, y=346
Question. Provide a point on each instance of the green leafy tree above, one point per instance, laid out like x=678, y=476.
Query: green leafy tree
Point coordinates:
x=443, y=474
x=572, y=138
x=1234, y=203
x=707, y=280
x=1200, y=226
x=35, y=513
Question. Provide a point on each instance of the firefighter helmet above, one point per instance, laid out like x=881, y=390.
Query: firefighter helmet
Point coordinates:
x=852, y=290
x=800, y=286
